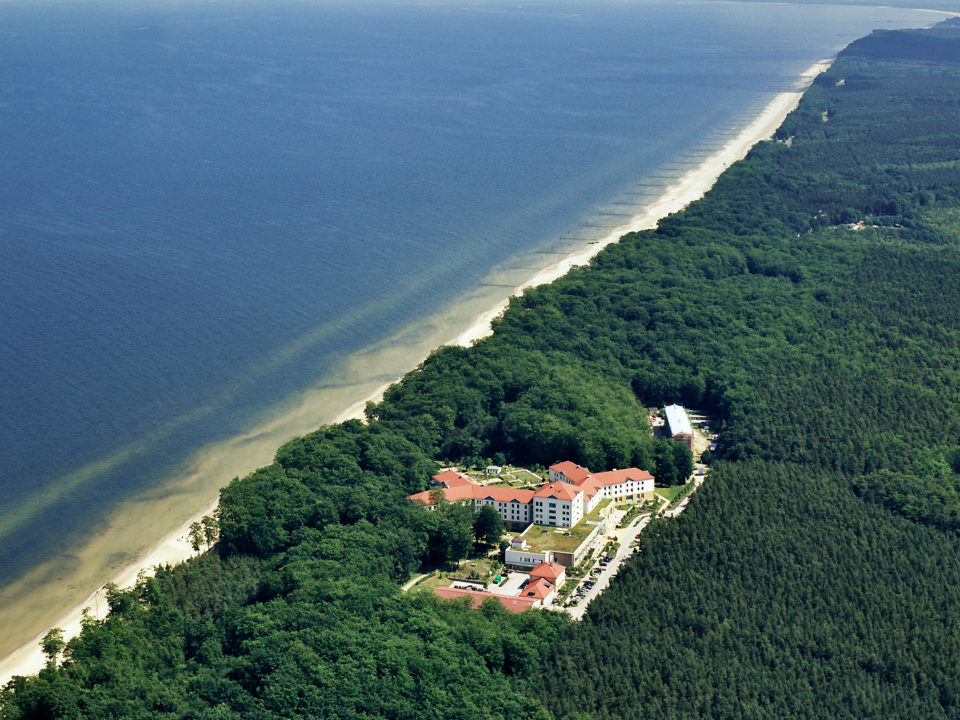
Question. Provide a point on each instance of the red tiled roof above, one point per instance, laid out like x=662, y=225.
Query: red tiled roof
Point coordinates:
x=513, y=604
x=615, y=477
x=452, y=478
x=454, y=494
x=538, y=589
x=590, y=487
x=559, y=490
x=503, y=494
x=457, y=486
x=548, y=570
x=570, y=470
x=472, y=491
x=423, y=497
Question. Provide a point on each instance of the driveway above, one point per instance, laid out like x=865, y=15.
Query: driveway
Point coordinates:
x=511, y=586
x=625, y=536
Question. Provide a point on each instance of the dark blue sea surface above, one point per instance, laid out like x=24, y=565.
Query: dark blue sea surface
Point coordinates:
x=207, y=206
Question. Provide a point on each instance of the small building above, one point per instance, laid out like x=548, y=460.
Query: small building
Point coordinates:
x=525, y=559
x=541, y=590
x=493, y=469
x=678, y=425
x=554, y=572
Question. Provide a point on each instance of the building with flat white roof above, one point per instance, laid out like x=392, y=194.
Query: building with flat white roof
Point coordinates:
x=678, y=424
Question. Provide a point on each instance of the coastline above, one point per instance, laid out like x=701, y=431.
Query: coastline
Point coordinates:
x=175, y=547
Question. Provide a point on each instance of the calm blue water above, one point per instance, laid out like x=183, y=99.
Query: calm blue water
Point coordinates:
x=191, y=188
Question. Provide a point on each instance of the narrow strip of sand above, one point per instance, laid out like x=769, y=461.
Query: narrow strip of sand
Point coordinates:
x=690, y=187
x=176, y=547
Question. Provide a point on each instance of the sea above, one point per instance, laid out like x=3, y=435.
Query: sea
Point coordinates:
x=222, y=221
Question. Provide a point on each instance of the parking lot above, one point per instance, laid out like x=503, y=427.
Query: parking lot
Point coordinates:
x=512, y=585
x=603, y=570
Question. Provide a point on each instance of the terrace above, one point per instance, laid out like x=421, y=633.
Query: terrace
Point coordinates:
x=511, y=476
x=547, y=537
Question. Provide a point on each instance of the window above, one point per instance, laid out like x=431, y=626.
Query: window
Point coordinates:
x=553, y=504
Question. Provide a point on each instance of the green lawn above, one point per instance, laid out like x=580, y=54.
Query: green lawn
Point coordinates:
x=670, y=493
x=511, y=476
x=443, y=578
x=548, y=537
x=431, y=583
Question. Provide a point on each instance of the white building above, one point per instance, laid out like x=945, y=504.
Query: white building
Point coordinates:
x=519, y=556
x=559, y=504
x=630, y=484
x=571, y=493
x=678, y=424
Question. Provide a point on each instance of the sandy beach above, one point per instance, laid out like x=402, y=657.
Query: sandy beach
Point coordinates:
x=175, y=546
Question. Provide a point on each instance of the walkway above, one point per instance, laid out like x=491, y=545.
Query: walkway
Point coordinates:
x=413, y=581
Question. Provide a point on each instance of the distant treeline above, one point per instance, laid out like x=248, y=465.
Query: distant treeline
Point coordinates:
x=810, y=300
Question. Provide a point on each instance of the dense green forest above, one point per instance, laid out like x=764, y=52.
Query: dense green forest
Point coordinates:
x=810, y=300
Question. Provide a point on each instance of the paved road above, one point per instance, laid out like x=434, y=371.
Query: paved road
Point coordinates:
x=625, y=536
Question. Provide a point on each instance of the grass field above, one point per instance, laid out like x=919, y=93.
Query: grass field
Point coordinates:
x=670, y=493
x=443, y=578
x=511, y=476
x=548, y=537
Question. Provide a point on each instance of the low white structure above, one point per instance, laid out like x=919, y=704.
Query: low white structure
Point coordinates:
x=519, y=556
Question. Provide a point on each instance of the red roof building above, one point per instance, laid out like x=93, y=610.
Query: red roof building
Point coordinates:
x=454, y=494
x=617, y=477
x=571, y=493
x=502, y=494
x=452, y=479
x=541, y=590
x=558, y=491
x=511, y=603
x=568, y=471
x=555, y=572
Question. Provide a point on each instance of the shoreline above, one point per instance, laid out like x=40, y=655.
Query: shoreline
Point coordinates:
x=174, y=547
